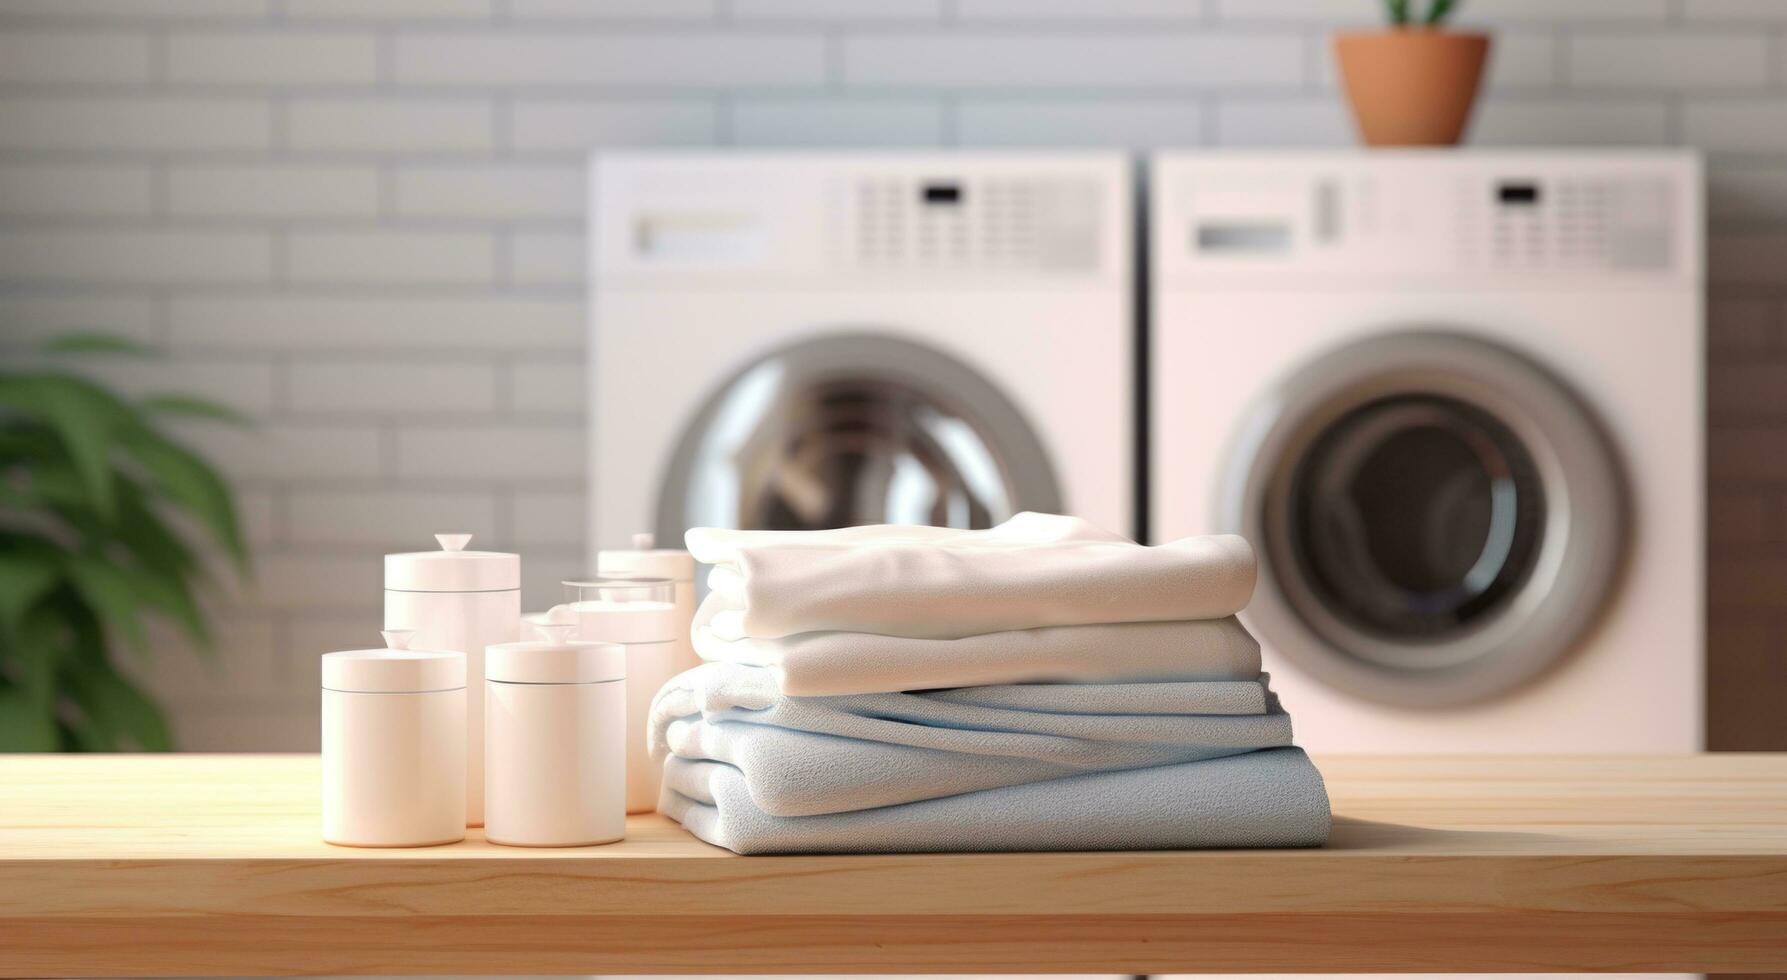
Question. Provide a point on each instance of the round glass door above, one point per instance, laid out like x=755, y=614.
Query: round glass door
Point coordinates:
x=1416, y=516
x=1438, y=518
x=852, y=429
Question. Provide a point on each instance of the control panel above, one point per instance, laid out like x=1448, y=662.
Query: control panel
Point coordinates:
x=1418, y=215
x=1569, y=222
x=995, y=222
x=958, y=221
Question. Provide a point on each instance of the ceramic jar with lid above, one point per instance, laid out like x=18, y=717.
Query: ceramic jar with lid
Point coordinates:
x=458, y=600
x=394, y=734
x=555, y=736
x=646, y=560
x=640, y=615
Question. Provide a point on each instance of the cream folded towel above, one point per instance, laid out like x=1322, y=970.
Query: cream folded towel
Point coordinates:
x=832, y=662
x=939, y=583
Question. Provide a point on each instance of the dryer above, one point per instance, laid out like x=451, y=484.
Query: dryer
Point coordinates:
x=812, y=340
x=1455, y=400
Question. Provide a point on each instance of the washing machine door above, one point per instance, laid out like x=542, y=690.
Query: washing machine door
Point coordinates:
x=855, y=428
x=1439, y=519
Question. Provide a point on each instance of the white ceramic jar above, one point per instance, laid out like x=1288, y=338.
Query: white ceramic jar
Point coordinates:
x=555, y=742
x=394, y=745
x=646, y=560
x=458, y=600
x=640, y=615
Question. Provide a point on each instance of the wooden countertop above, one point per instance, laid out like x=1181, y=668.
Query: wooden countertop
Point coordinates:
x=212, y=865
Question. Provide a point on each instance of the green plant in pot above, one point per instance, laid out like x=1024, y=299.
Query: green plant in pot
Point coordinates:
x=101, y=519
x=1415, y=83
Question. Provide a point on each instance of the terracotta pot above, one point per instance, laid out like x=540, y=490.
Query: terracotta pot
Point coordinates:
x=1411, y=86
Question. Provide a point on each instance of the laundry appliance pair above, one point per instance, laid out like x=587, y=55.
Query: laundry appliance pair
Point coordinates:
x=1453, y=398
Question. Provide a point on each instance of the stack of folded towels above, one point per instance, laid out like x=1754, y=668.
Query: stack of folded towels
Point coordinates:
x=1041, y=685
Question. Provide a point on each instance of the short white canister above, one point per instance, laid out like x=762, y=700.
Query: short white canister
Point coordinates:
x=458, y=600
x=555, y=741
x=646, y=560
x=394, y=745
x=640, y=615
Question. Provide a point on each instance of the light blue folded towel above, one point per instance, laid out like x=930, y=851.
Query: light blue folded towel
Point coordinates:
x=799, y=757
x=1269, y=798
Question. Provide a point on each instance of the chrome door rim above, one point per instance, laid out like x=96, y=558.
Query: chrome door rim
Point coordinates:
x=939, y=378
x=1578, y=560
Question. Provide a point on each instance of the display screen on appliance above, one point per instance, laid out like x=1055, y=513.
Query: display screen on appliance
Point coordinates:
x=1517, y=192
x=1262, y=236
x=941, y=193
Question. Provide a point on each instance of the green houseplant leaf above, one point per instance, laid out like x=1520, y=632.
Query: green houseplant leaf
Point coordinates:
x=96, y=343
x=1400, y=14
x=100, y=516
x=38, y=639
x=24, y=725
x=184, y=477
x=84, y=416
x=25, y=578
x=115, y=713
x=198, y=408
x=111, y=593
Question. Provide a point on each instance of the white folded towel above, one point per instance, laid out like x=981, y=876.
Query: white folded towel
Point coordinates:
x=723, y=545
x=801, y=755
x=900, y=580
x=1273, y=798
x=834, y=662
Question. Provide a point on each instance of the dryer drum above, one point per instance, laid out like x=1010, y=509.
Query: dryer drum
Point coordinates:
x=855, y=428
x=1439, y=518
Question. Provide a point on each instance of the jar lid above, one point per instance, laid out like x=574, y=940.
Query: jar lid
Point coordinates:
x=394, y=670
x=622, y=610
x=453, y=569
x=645, y=559
x=557, y=614
x=555, y=659
x=625, y=622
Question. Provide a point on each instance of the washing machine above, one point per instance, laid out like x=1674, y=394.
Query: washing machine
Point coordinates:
x=1455, y=400
x=815, y=340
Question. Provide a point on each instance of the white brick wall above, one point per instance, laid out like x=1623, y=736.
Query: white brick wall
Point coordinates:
x=838, y=122
x=546, y=258
x=272, y=190
x=360, y=220
x=141, y=122
x=134, y=255
x=530, y=454
x=378, y=520
x=413, y=320
x=71, y=190
x=1670, y=62
x=271, y=58
x=381, y=256
x=59, y=56
x=555, y=387
x=291, y=453
x=368, y=125
x=679, y=60
x=505, y=192
x=1001, y=122
x=423, y=388
x=570, y=126
x=1057, y=60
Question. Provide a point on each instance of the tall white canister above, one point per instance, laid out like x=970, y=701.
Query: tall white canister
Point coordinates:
x=646, y=560
x=458, y=600
x=555, y=737
x=394, y=745
x=640, y=615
